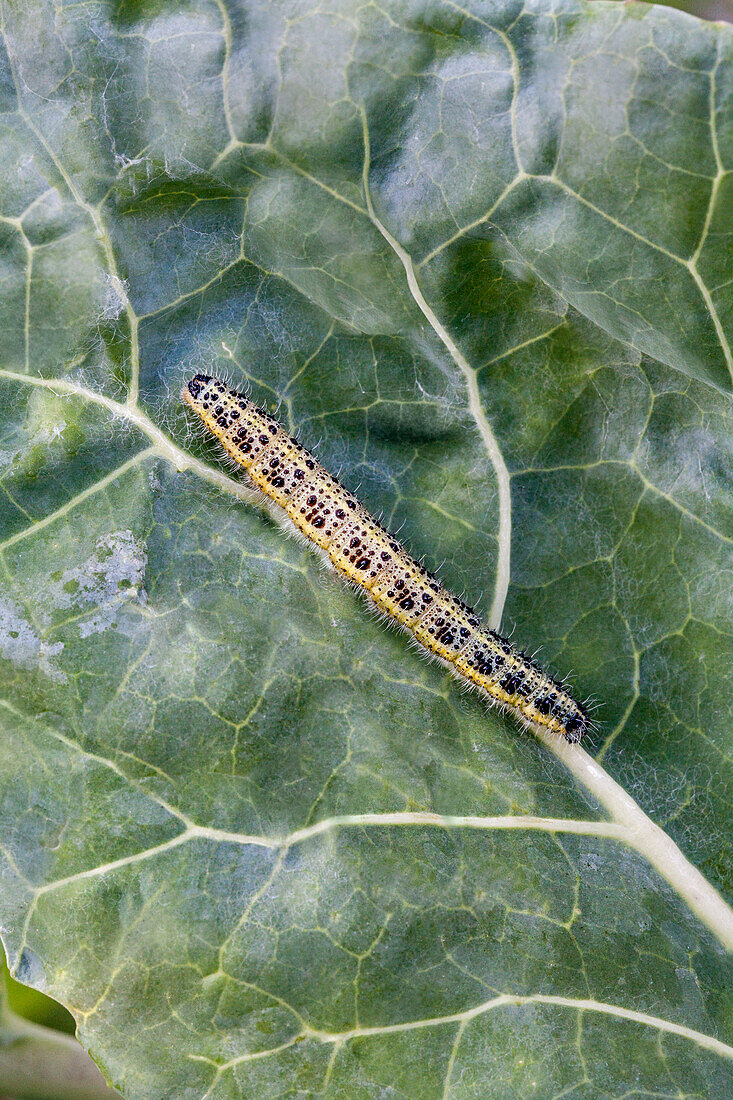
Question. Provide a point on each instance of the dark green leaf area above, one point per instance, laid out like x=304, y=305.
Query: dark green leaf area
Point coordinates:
x=54, y=447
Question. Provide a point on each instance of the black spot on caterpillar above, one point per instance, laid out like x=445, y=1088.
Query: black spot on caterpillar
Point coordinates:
x=362, y=551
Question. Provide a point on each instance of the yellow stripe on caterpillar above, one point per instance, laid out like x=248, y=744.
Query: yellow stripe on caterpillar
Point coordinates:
x=361, y=550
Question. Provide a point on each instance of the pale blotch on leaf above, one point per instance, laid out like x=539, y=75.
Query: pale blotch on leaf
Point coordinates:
x=107, y=581
x=21, y=645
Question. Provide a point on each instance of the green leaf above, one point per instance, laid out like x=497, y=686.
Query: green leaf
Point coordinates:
x=480, y=259
x=41, y=1062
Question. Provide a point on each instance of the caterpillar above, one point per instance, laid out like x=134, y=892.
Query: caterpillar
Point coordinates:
x=362, y=551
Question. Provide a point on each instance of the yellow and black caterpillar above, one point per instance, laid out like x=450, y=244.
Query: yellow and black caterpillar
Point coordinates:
x=362, y=551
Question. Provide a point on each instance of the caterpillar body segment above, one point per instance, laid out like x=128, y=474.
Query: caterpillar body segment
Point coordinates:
x=361, y=550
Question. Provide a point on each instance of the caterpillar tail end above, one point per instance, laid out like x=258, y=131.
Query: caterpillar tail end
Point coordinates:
x=575, y=727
